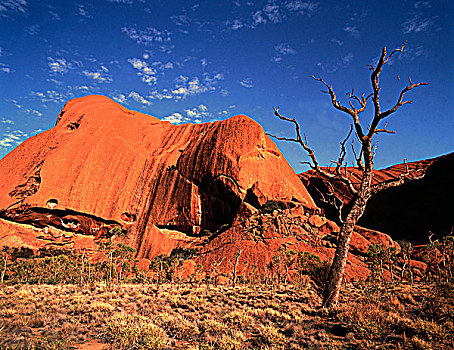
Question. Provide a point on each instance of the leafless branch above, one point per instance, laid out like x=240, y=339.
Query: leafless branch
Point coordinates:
x=350, y=111
x=415, y=174
x=359, y=161
x=378, y=114
x=385, y=130
x=315, y=165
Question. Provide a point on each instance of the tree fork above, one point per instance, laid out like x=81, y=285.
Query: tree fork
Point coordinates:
x=364, y=161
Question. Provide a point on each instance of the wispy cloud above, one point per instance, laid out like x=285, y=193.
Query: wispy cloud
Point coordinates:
x=125, y=2
x=176, y=118
x=27, y=110
x=55, y=16
x=120, y=98
x=307, y=8
x=247, y=83
x=59, y=65
x=101, y=75
x=7, y=6
x=14, y=137
x=139, y=98
x=199, y=113
x=83, y=12
x=274, y=12
x=147, y=74
x=352, y=30
x=270, y=13
x=33, y=29
x=422, y=4
x=195, y=115
x=418, y=23
x=52, y=96
x=186, y=86
x=7, y=121
x=164, y=94
x=341, y=62
x=147, y=36
x=4, y=68
x=282, y=49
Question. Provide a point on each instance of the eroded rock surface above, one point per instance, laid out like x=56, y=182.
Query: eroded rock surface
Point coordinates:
x=103, y=166
x=103, y=169
x=409, y=211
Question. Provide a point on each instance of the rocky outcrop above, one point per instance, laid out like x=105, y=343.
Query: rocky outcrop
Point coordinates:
x=409, y=211
x=104, y=171
x=103, y=166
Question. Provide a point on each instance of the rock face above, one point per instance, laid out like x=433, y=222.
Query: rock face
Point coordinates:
x=409, y=211
x=103, y=166
x=221, y=187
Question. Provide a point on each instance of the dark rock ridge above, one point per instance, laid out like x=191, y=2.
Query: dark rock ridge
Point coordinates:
x=409, y=211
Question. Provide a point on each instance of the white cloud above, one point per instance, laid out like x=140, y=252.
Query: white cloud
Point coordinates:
x=101, y=75
x=165, y=94
x=247, y=83
x=15, y=137
x=285, y=49
x=52, y=96
x=352, y=30
x=147, y=36
x=338, y=64
x=5, y=68
x=83, y=12
x=55, y=15
x=195, y=115
x=12, y=6
x=282, y=49
x=121, y=98
x=307, y=8
x=34, y=29
x=139, y=98
x=28, y=110
x=7, y=121
x=274, y=12
x=417, y=24
x=176, y=118
x=186, y=86
x=148, y=74
x=337, y=41
x=235, y=24
x=422, y=4
x=126, y=2
x=59, y=65
x=162, y=66
x=195, y=86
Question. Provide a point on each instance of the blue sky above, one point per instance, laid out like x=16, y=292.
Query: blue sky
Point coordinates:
x=199, y=61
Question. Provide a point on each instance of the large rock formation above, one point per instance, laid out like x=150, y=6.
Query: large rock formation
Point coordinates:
x=103, y=166
x=410, y=211
x=103, y=170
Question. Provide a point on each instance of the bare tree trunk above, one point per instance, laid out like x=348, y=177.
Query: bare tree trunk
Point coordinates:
x=236, y=266
x=337, y=271
x=213, y=271
x=4, y=269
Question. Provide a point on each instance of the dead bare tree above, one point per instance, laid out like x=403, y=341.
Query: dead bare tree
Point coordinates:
x=364, y=161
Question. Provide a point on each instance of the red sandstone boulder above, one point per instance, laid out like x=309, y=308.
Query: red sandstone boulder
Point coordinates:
x=103, y=166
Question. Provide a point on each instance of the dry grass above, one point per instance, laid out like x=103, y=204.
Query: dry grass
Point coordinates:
x=187, y=317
